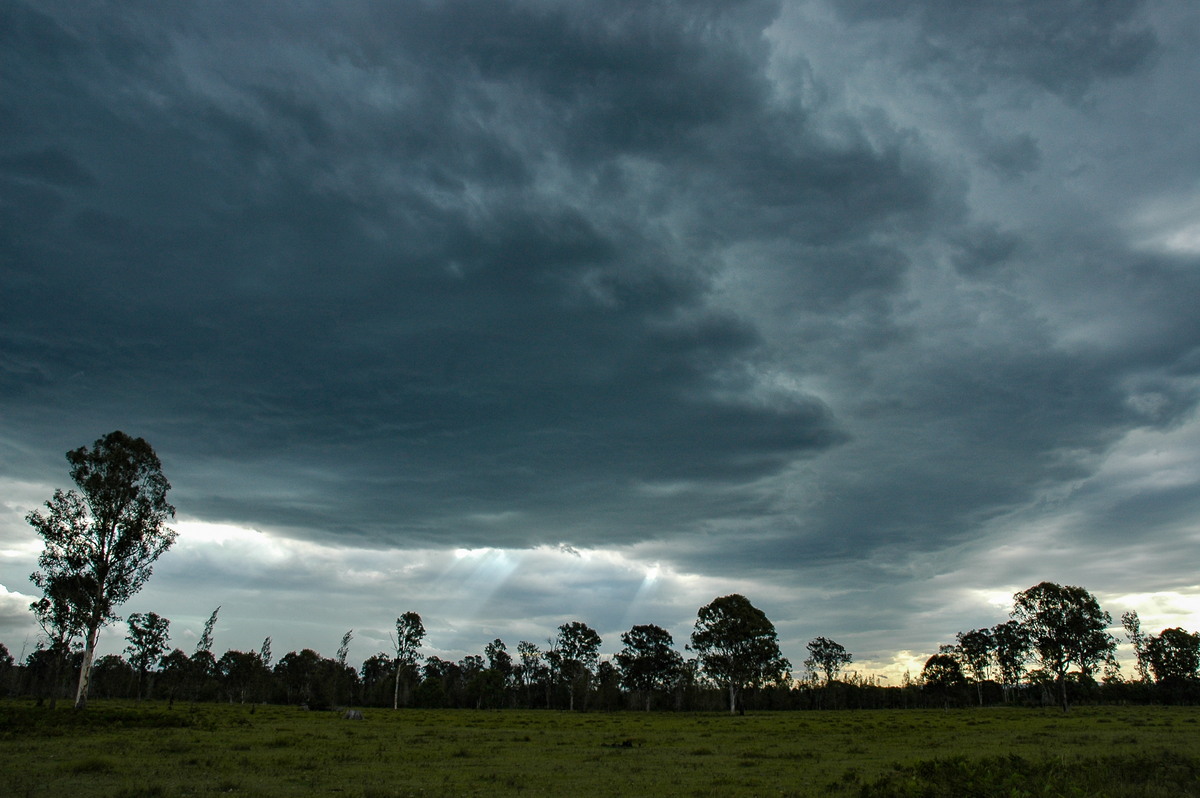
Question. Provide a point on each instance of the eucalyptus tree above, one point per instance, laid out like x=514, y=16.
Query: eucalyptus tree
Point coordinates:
x=107, y=535
x=1139, y=640
x=498, y=658
x=240, y=672
x=1066, y=627
x=6, y=667
x=409, y=634
x=498, y=676
x=1174, y=656
x=343, y=674
x=203, y=664
x=942, y=677
x=737, y=645
x=149, y=635
x=648, y=662
x=62, y=614
x=529, y=668
x=1010, y=646
x=975, y=649
x=828, y=656
x=577, y=651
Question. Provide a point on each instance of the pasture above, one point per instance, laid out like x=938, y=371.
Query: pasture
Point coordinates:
x=131, y=750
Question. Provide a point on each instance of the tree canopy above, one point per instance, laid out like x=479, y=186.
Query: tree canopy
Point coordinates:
x=104, y=539
x=648, y=662
x=1065, y=626
x=737, y=645
x=827, y=656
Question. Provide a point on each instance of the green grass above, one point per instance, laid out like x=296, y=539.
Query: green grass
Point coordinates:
x=123, y=749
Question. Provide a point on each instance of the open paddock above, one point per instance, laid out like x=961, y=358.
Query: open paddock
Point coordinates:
x=127, y=749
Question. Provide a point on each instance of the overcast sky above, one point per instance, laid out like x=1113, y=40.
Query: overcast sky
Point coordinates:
x=517, y=313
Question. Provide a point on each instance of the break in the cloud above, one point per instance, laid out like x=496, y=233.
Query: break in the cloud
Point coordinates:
x=864, y=310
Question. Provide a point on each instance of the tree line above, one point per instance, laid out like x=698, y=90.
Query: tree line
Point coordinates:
x=101, y=541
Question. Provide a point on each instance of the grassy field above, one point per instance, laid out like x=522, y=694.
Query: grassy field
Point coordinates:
x=124, y=749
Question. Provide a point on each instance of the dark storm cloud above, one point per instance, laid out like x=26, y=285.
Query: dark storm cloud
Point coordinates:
x=411, y=248
x=858, y=310
x=1063, y=46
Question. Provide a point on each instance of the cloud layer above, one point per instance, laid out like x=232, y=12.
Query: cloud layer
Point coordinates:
x=844, y=305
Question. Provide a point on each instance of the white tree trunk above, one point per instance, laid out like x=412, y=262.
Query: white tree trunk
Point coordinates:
x=85, y=670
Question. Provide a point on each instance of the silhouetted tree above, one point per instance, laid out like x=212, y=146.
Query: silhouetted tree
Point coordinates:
x=495, y=679
x=577, y=650
x=148, y=636
x=975, y=650
x=6, y=669
x=827, y=656
x=409, y=634
x=1138, y=639
x=343, y=675
x=203, y=664
x=942, y=678
x=376, y=676
x=175, y=674
x=112, y=676
x=737, y=645
x=648, y=662
x=1010, y=646
x=529, y=669
x=1066, y=627
x=303, y=676
x=108, y=535
x=1174, y=656
x=62, y=612
x=608, y=686
x=241, y=672
x=441, y=684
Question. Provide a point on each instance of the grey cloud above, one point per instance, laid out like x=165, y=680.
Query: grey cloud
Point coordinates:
x=980, y=249
x=1062, y=46
x=480, y=274
x=1014, y=156
x=49, y=165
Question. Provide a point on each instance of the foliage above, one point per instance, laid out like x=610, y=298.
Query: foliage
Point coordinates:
x=148, y=637
x=828, y=656
x=101, y=542
x=942, y=677
x=1137, y=638
x=575, y=655
x=737, y=645
x=1065, y=626
x=1010, y=646
x=1174, y=655
x=410, y=631
x=648, y=662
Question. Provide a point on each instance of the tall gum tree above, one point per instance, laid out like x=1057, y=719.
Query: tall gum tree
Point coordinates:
x=1065, y=626
x=737, y=645
x=409, y=634
x=107, y=535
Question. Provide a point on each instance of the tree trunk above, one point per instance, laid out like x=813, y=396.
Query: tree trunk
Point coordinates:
x=85, y=669
x=396, y=691
x=56, y=675
x=732, y=698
